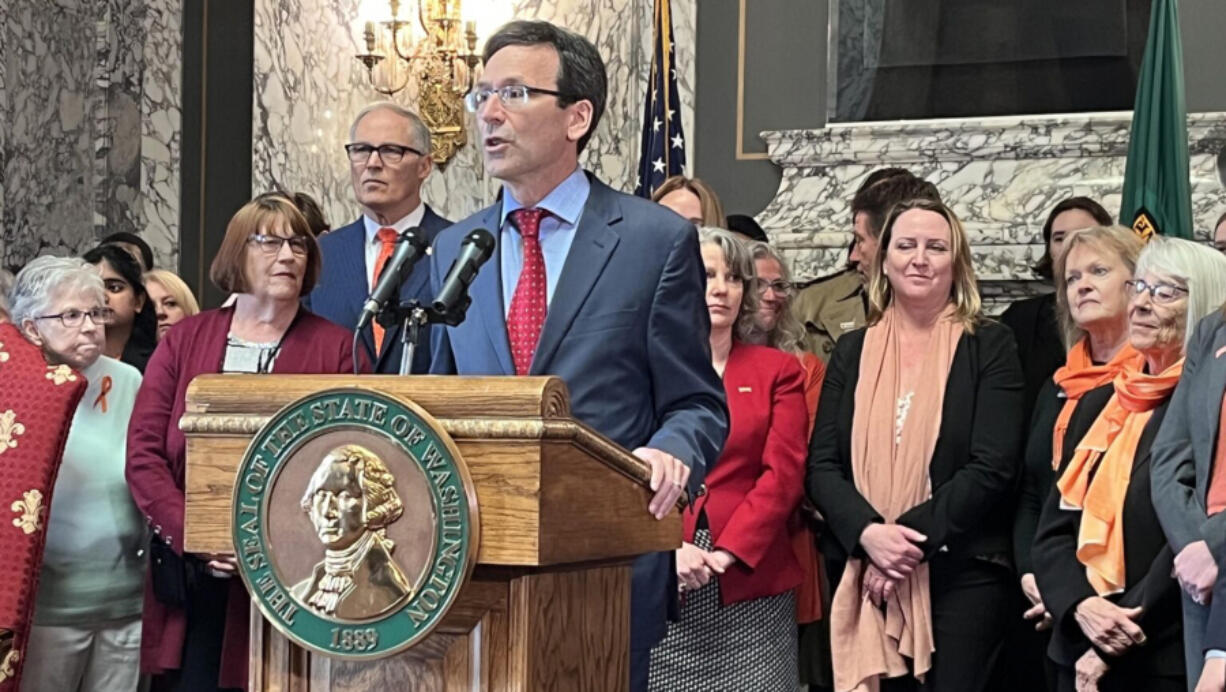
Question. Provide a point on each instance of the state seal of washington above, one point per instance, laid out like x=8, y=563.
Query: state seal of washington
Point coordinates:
x=354, y=522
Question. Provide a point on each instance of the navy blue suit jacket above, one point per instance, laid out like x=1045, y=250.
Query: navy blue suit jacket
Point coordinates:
x=627, y=330
x=344, y=284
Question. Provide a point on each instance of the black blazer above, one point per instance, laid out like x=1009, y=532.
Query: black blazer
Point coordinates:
x=974, y=465
x=1148, y=561
x=1034, y=325
x=1037, y=473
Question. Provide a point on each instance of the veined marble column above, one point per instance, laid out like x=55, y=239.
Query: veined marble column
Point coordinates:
x=161, y=104
x=75, y=95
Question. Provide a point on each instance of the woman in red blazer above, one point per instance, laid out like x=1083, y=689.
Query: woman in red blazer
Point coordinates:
x=736, y=566
x=196, y=639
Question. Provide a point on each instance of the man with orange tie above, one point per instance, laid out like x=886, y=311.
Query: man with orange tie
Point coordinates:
x=389, y=159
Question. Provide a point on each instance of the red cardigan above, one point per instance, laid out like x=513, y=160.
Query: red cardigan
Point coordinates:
x=156, y=460
x=758, y=481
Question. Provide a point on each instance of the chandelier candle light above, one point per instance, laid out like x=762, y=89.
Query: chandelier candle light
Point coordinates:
x=440, y=64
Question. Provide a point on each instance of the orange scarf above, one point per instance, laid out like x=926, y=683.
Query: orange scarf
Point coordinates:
x=867, y=643
x=1079, y=375
x=1096, y=480
x=804, y=540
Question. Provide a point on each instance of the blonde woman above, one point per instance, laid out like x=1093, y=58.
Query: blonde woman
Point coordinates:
x=172, y=299
x=1091, y=275
x=912, y=463
x=692, y=199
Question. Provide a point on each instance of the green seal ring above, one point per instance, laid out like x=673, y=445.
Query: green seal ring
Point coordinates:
x=456, y=521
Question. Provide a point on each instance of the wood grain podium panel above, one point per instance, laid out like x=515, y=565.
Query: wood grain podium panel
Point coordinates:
x=444, y=396
x=565, y=630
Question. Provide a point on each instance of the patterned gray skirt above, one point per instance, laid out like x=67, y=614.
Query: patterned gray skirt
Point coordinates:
x=744, y=646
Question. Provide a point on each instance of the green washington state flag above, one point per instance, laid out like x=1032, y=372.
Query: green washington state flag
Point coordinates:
x=1157, y=192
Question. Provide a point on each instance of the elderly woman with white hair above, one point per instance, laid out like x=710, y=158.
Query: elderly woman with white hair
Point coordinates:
x=1101, y=560
x=87, y=630
x=1189, y=493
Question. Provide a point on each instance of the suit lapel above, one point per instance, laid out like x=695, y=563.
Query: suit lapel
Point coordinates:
x=486, y=291
x=589, y=252
x=1215, y=383
x=354, y=284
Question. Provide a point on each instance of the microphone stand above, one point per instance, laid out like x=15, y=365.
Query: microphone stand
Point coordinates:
x=413, y=317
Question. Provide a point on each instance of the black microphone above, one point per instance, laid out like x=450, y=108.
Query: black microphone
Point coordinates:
x=409, y=249
x=475, y=250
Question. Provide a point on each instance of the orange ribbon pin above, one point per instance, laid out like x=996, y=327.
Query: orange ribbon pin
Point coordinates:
x=105, y=387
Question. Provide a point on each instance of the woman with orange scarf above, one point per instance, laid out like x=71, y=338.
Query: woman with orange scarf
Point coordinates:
x=912, y=463
x=1092, y=305
x=1101, y=560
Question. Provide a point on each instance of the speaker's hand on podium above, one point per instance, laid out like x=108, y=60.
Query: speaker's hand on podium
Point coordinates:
x=668, y=478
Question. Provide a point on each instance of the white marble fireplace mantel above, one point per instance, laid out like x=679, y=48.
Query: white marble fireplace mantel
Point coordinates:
x=1001, y=175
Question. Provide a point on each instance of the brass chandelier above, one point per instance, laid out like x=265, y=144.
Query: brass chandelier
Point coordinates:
x=439, y=63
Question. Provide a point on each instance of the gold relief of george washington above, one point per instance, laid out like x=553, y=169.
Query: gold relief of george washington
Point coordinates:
x=351, y=500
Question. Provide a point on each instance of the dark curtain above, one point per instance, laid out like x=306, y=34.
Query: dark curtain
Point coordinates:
x=959, y=58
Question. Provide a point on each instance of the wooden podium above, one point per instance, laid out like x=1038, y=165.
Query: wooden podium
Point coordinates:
x=563, y=512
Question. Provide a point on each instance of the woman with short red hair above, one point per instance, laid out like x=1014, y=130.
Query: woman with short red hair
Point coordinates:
x=196, y=609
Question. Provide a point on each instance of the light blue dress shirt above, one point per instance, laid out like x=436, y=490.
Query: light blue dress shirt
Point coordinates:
x=565, y=206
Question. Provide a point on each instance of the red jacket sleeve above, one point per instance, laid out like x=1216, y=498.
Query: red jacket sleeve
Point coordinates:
x=150, y=479
x=756, y=522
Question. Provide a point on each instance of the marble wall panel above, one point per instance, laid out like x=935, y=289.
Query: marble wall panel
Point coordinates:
x=48, y=158
x=117, y=140
x=5, y=117
x=1000, y=175
x=70, y=145
x=160, y=117
x=308, y=87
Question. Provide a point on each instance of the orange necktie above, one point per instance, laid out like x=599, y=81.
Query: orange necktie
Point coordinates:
x=386, y=236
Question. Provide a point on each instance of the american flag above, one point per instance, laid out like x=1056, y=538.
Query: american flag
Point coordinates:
x=663, y=153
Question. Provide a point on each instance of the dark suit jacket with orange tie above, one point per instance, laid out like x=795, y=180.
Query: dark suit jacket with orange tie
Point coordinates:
x=344, y=284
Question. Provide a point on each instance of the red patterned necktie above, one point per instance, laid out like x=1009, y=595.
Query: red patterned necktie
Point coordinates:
x=527, y=315
x=388, y=237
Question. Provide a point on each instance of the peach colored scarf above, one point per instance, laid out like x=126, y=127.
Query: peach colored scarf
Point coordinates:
x=892, y=474
x=1079, y=375
x=1096, y=480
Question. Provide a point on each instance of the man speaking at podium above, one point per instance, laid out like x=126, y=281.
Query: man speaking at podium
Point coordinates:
x=604, y=290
